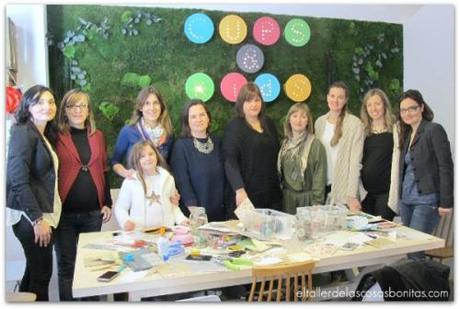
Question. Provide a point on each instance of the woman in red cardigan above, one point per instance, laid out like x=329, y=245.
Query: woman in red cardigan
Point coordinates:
x=82, y=181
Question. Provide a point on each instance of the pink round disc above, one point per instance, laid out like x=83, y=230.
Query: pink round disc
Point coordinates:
x=266, y=30
x=231, y=84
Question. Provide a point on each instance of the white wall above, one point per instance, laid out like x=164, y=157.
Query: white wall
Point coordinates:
x=367, y=12
x=32, y=54
x=32, y=60
x=429, y=64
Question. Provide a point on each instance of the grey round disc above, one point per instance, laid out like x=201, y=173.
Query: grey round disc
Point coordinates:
x=250, y=58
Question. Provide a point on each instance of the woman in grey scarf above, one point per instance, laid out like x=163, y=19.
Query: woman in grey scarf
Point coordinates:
x=302, y=162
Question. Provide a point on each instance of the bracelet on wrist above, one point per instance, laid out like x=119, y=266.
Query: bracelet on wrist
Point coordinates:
x=37, y=221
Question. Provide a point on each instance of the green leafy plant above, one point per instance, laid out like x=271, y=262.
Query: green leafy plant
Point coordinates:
x=368, y=62
x=144, y=81
x=108, y=109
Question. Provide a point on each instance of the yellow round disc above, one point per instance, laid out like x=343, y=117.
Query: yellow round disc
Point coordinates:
x=233, y=29
x=298, y=88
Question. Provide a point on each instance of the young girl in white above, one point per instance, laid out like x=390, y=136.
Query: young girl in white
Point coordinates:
x=144, y=202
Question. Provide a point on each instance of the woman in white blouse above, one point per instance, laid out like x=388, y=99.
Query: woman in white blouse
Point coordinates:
x=342, y=135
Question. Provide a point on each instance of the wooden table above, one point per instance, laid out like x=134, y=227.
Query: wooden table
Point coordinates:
x=155, y=284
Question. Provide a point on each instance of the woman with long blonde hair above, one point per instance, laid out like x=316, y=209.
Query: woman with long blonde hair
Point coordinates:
x=378, y=122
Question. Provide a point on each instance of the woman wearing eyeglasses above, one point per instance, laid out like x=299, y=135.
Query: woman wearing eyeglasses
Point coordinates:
x=425, y=166
x=83, y=183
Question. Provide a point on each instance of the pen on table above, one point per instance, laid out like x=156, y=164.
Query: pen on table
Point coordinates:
x=371, y=235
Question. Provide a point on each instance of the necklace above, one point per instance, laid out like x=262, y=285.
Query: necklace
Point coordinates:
x=206, y=147
x=378, y=130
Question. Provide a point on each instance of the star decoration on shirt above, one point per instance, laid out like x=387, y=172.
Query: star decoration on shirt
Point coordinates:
x=153, y=198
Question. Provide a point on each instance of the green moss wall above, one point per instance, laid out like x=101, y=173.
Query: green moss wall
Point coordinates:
x=363, y=54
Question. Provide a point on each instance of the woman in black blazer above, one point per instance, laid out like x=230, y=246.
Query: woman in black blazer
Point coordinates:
x=33, y=203
x=425, y=166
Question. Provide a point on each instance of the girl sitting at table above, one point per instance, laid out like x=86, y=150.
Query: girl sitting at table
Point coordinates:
x=144, y=202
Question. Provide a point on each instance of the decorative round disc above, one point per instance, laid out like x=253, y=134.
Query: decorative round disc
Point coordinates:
x=250, y=58
x=297, y=32
x=269, y=86
x=266, y=31
x=199, y=86
x=198, y=28
x=233, y=29
x=231, y=84
x=298, y=87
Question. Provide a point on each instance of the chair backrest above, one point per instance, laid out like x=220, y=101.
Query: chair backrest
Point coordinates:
x=445, y=229
x=297, y=271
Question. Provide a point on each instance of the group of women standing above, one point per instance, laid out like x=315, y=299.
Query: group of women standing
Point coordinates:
x=57, y=173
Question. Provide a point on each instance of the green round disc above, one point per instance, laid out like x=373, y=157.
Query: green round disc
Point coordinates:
x=199, y=86
x=297, y=32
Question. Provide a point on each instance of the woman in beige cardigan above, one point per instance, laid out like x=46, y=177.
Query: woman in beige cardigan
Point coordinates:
x=342, y=135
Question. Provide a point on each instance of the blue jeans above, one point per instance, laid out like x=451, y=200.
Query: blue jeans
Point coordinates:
x=423, y=218
x=66, y=239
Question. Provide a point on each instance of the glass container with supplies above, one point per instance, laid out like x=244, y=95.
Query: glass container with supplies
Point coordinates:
x=198, y=218
x=312, y=221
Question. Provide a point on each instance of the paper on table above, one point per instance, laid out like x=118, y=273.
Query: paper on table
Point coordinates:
x=381, y=243
x=130, y=276
x=215, y=226
x=243, y=208
x=259, y=245
x=339, y=239
x=299, y=257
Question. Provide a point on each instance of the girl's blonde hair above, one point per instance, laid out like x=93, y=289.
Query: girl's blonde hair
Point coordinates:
x=135, y=156
x=388, y=115
x=298, y=107
x=164, y=119
x=72, y=97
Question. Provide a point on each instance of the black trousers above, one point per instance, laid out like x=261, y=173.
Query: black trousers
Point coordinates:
x=39, y=261
x=377, y=205
x=66, y=239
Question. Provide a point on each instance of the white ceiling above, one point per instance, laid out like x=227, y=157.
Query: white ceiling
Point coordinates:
x=384, y=13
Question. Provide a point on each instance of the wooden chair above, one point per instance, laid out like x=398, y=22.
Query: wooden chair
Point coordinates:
x=444, y=230
x=301, y=270
x=16, y=297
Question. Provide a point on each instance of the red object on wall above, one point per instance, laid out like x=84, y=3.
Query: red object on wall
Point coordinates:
x=13, y=98
x=231, y=84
